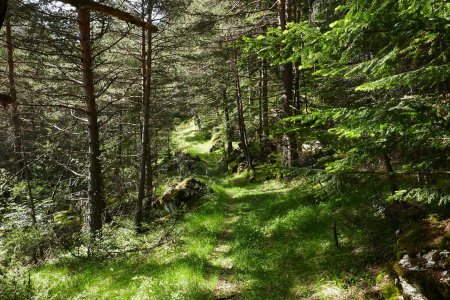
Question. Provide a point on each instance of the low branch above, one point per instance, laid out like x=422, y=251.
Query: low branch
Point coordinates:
x=110, y=11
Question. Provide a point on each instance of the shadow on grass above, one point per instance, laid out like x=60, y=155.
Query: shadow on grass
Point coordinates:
x=198, y=136
x=283, y=245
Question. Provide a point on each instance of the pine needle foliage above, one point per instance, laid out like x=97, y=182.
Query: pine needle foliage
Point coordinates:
x=378, y=82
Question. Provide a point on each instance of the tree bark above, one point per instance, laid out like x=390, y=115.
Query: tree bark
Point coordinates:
x=110, y=11
x=3, y=9
x=241, y=120
x=22, y=164
x=228, y=128
x=91, y=5
x=265, y=100
x=289, y=142
x=96, y=198
x=297, y=94
x=15, y=118
x=144, y=164
x=392, y=180
x=260, y=109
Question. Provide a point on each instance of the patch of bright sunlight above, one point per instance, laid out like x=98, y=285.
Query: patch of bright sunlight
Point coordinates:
x=330, y=290
x=187, y=137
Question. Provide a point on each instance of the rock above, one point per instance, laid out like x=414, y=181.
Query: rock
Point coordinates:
x=67, y=223
x=427, y=273
x=235, y=159
x=409, y=291
x=423, y=257
x=186, y=192
x=181, y=162
x=216, y=146
x=386, y=286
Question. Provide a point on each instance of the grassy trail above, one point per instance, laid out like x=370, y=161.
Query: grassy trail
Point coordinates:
x=267, y=240
x=276, y=241
x=219, y=259
x=226, y=287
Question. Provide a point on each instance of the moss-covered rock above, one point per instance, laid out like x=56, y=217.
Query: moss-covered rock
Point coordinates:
x=233, y=165
x=67, y=218
x=386, y=287
x=67, y=223
x=429, y=271
x=423, y=258
x=186, y=192
x=181, y=162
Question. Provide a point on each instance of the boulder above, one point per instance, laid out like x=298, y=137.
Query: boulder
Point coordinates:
x=181, y=162
x=427, y=272
x=186, y=192
x=67, y=224
x=423, y=259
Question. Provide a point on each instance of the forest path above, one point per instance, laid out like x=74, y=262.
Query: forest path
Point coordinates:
x=226, y=287
x=272, y=239
x=250, y=239
x=220, y=259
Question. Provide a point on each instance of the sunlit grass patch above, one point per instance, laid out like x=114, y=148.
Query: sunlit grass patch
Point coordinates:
x=283, y=243
x=188, y=138
x=178, y=271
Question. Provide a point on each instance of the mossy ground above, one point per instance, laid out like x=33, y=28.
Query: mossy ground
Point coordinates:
x=271, y=239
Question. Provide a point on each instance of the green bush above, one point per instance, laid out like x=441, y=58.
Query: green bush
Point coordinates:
x=26, y=244
x=14, y=285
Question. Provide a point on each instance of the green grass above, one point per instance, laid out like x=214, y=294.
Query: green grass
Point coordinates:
x=178, y=271
x=281, y=246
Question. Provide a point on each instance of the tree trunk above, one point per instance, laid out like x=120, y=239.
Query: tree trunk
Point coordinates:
x=147, y=68
x=96, y=199
x=228, y=128
x=260, y=109
x=297, y=95
x=289, y=143
x=112, y=12
x=265, y=100
x=390, y=173
x=15, y=119
x=241, y=121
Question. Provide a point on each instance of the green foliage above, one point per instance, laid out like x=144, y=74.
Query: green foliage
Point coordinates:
x=25, y=244
x=379, y=77
x=178, y=270
x=393, y=44
x=15, y=284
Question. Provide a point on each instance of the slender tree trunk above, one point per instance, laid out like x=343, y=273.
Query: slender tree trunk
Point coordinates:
x=149, y=175
x=119, y=145
x=144, y=62
x=390, y=173
x=145, y=127
x=265, y=100
x=260, y=109
x=15, y=120
x=297, y=95
x=289, y=143
x=228, y=128
x=241, y=120
x=96, y=199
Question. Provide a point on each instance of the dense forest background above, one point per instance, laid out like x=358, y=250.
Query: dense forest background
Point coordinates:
x=338, y=107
